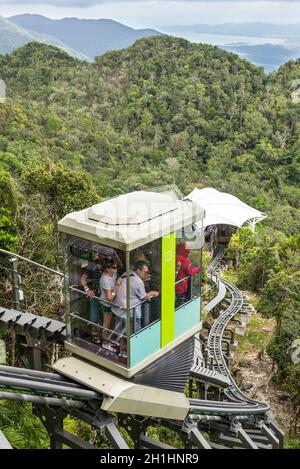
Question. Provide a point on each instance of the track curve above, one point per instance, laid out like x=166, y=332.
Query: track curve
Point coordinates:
x=214, y=343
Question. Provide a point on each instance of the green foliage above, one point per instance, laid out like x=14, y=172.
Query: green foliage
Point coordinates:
x=281, y=295
x=244, y=240
x=8, y=203
x=8, y=238
x=65, y=190
x=8, y=198
x=254, y=338
x=21, y=428
x=291, y=443
x=256, y=255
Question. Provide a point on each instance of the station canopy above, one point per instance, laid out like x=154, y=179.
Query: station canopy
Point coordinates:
x=224, y=209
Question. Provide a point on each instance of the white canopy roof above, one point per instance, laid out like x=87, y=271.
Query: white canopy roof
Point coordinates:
x=224, y=209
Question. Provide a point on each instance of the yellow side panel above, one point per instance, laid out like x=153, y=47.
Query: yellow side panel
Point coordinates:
x=168, y=289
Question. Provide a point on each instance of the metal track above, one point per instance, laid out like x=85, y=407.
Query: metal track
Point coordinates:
x=239, y=422
x=214, y=341
x=41, y=384
x=214, y=345
x=206, y=407
x=240, y=404
x=219, y=255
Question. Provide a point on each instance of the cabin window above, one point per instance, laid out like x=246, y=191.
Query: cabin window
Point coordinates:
x=145, y=286
x=188, y=265
x=96, y=299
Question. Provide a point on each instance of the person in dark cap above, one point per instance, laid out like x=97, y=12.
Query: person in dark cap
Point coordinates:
x=91, y=272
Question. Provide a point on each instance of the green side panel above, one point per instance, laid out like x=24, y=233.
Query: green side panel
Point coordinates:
x=144, y=343
x=168, y=289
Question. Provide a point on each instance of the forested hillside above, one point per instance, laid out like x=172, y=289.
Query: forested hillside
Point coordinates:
x=163, y=111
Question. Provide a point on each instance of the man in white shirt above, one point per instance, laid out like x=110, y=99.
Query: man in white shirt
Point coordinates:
x=137, y=295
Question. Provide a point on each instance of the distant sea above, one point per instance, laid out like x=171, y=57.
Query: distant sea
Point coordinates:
x=222, y=40
x=267, y=52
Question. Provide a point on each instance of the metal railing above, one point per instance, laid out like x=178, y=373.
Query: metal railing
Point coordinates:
x=90, y=323
x=13, y=293
x=123, y=311
x=29, y=261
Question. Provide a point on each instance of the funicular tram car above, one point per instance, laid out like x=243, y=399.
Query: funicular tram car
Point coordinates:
x=144, y=332
x=224, y=233
x=216, y=235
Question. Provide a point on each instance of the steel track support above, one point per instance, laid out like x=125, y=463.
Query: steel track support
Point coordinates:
x=270, y=435
x=52, y=419
x=103, y=422
x=191, y=385
x=278, y=432
x=72, y=441
x=15, y=283
x=30, y=352
x=229, y=441
x=93, y=416
x=149, y=443
x=231, y=334
x=135, y=428
x=198, y=439
x=35, y=353
x=115, y=437
x=202, y=390
x=191, y=435
x=245, y=438
x=206, y=386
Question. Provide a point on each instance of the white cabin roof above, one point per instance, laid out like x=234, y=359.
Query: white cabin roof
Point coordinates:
x=132, y=220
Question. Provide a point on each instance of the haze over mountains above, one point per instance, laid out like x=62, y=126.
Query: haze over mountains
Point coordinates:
x=264, y=44
x=13, y=36
x=89, y=37
x=243, y=29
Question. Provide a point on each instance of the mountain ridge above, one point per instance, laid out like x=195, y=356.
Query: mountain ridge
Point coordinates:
x=91, y=37
x=13, y=36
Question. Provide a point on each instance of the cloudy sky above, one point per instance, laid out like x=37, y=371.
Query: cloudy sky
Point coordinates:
x=154, y=13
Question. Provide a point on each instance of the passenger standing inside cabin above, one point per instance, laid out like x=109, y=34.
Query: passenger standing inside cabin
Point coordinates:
x=208, y=232
x=138, y=294
x=138, y=277
x=109, y=284
x=90, y=278
x=184, y=271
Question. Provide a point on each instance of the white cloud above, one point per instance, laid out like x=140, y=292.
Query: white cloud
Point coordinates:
x=152, y=13
x=89, y=3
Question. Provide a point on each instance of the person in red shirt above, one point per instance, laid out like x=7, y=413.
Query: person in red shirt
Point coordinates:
x=184, y=271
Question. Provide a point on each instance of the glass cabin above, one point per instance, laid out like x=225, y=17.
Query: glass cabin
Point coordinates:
x=133, y=279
